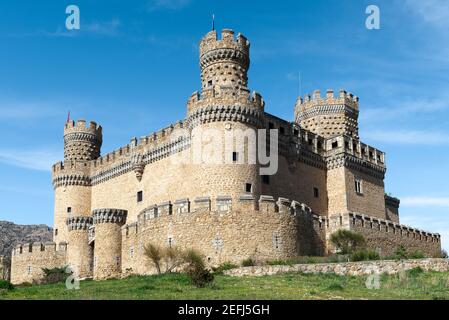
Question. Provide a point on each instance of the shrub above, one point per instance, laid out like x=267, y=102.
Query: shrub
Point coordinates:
x=347, y=241
x=416, y=255
x=444, y=254
x=364, y=255
x=6, y=285
x=401, y=252
x=415, y=271
x=173, y=258
x=196, y=269
x=248, y=262
x=55, y=275
x=223, y=267
x=154, y=253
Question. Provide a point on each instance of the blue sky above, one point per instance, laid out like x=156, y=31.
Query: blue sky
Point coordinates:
x=133, y=64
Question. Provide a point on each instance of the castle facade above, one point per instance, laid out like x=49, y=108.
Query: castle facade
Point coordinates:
x=108, y=207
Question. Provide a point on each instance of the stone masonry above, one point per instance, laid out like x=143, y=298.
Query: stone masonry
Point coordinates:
x=155, y=189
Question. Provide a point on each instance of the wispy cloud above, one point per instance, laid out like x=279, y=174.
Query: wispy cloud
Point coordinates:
x=154, y=5
x=422, y=201
x=405, y=108
x=435, y=12
x=408, y=137
x=99, y=28
x=41, y=160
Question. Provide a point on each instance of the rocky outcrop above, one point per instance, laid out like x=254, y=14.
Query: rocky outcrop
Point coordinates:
x=12, y=234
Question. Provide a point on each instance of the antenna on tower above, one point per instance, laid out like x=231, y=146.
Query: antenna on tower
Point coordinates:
x=213, y=21
x=68, y=117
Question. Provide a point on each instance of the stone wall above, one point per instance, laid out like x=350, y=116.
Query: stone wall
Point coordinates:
x=29, y=259
x=265, y=230
x=386, y=236
x=346, y=268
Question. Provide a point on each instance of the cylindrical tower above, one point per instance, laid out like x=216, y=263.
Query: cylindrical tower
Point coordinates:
x=108, y=242
x=224, y=119
x=329, y=116
x=71, y=179
x=224, y=62
x=81, y=143
x=79, y=251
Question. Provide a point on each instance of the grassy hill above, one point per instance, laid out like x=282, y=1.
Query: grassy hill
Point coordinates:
x=414, y=284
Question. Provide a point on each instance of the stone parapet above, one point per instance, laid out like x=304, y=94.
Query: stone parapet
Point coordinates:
x=116, y=216
x=345, y=268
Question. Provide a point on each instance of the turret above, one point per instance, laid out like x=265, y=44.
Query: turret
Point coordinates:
x=329, y=116
x=108, y=242
x=224, y=61
x=82, y=143
x=79, y=252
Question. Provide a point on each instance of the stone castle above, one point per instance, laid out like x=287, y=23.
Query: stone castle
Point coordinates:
x=107, y=208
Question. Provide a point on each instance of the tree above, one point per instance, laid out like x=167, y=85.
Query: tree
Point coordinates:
x=347, y=241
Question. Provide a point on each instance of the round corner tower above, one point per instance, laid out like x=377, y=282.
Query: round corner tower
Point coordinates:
x=80, y=252
x=225, y=106
x=108, y=242
x=71, y=178
x=329, y=116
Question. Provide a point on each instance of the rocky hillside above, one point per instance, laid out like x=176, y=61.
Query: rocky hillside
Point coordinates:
x=12, y=234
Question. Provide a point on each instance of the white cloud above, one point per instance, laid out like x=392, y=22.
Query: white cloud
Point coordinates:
x=154, y=5
x=425, y=201
x=41, y=160
x=416, y=137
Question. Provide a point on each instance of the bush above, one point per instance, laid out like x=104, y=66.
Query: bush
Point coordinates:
x=6, y=285
x=55, y=275
x=347, y=241
x=401, y=252
x=444, y=254
x=223, y=267
x=248, y=262
x=364, y=255
x=196, y=269
x=416, y=255
x=154, y=253
x=170, y=256
x=415, y=271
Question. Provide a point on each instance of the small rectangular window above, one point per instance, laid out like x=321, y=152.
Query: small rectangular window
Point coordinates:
x=358, y=186
x=235, y=157
x=209, y=83
x=316, y=192
x=265, y=179
x=69, y=209
x=30, y=269
x=282, y=130
x=139, y=196
x=248, y=187
x=334, y=144
x=56, y=232
x=270, y=125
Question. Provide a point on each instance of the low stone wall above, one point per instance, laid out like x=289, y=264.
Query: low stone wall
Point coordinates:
x=346, y=268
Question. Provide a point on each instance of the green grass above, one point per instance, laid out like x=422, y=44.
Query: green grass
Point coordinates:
x=410, y=285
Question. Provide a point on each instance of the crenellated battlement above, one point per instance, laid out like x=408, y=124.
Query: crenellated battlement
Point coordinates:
x=81, y=126
x=329, y=116
x=212, y=43
x=220, y=205
x=38, y=248
x=330, y=99
x=81, y=142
